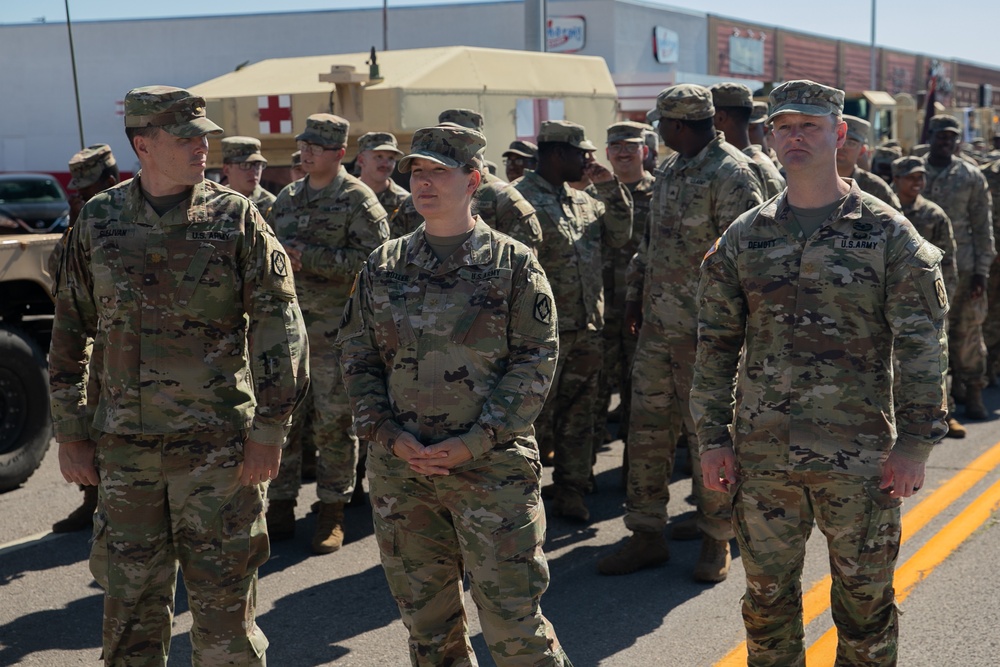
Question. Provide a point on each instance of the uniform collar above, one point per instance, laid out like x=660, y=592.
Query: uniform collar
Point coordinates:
x=778, y=208
x=476, y=251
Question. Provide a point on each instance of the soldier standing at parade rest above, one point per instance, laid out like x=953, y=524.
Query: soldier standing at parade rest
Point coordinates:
x=449, y=347
x=243, y=164
x=93, y=171
x=803, y=303
x=377, y=155
x=699, y=191
x=960, y=189
x=854, y=147
x=328, y=222
x=202, y=355
x=519, y=156
x=575, y=226
x=733, y=108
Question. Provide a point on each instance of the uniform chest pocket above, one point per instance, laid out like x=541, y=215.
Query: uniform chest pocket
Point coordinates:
x=485, y=317
x=112, y=286
x=392, y=322
x=208, y=279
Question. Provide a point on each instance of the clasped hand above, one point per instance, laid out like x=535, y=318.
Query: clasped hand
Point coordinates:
x=436, y=459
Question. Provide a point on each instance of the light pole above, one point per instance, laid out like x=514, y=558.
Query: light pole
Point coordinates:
x=873, y=46
x=76, y=85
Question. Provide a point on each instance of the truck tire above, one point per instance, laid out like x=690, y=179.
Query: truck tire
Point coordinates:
x=25, y=425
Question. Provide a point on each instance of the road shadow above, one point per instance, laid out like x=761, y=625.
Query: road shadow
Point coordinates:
x=48, y=552
x=75, y=627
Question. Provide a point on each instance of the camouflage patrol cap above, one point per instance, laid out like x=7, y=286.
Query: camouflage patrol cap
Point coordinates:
x=241, y=149
x=87, y=166
x=759, y=113
x=464, y=117
x=685, y=101
x=448, y=144
x=652, y=139
x=325, y=129
x=905, y=166
x=297, y=159
x=858, y=128
x=627, y=130
x=564, y=132
x=732, y=94
x=173, y=110
x=378, y=141
x=944, y=123
x=805, y=97
x=886, y=154
x=520, y=148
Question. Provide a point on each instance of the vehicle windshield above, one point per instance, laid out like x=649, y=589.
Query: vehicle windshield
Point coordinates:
x=30, y=191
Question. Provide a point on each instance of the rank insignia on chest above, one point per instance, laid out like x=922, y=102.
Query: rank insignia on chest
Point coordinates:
x=543, y=308
x=279, y=264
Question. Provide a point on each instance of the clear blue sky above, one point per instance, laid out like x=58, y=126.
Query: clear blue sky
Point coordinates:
x=963, y=29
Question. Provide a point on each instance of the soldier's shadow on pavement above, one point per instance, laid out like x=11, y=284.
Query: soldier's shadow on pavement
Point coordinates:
x=75, y=627
x=289, y=553
x=45, y=555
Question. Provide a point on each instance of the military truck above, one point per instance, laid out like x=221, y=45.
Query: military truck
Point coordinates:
x=26, y=311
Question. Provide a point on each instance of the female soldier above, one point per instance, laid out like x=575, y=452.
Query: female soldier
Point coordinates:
x=449, y=346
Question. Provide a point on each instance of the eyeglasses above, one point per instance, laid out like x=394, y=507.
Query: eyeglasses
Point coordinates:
x=626, y=147
x=519, y=161
x=251, y=166
x=314, y=149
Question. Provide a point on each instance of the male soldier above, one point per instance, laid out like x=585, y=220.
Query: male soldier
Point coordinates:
x=882, y=160
x=295, y=171
x=757, y=131
x=242, y=165
x=652, y=141
x=329, y=222
x=519, y=156
x=94, y=170
x=991, y=327
x=499, y=205
x=854, y=147
x=733, y=107
x=626, y=151
x=699, y=191
x=961, y=190
x=201, y=350
x=377, y=155
x=909, y=178
x=813, y=292
x=574, y=227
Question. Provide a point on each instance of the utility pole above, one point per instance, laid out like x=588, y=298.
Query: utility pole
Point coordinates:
x=535, y=14
x=76, y=85
x=873, y=46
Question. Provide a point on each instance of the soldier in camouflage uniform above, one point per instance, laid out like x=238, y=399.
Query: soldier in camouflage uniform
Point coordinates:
x=806, y=295
x=733, y=107
x=497, y=203
x=449, y=347
x=991, y=327
x=377, y=155
x=202, y=356
x=961, y=190
x=699, y=191
x=575, y=226
x=856, y=146
x=329, y=222
x=882, y=160
x=243, y=164
x=757, y=131
x=520, y=156
x=626, y=151
x=652, y=159
x=93, y=171
x=295, y=170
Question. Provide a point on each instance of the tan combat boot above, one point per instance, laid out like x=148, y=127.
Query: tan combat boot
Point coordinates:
x=643, y=549
x=974, y=407
x=713, y=561
x=82, y=517
x=567, y=502
x=955, y=430
x=280, y=519
x=686, y=530
x=329, y=535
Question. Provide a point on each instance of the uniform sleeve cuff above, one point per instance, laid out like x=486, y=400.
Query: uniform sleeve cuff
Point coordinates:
x=269, y=434
x=72, y=430
x=386, y=433
x=913, y=449
x=478, y=440
x=716, y=438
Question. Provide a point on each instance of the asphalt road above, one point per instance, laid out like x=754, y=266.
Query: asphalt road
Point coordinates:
x=336, y=609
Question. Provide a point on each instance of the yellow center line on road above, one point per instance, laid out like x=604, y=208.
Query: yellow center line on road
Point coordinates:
x=823, y=652
x=816, y=601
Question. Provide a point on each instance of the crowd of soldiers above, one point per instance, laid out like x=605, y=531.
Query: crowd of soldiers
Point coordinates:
x=621, y=249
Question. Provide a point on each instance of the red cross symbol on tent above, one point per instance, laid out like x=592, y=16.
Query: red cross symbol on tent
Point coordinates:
x=275, y=114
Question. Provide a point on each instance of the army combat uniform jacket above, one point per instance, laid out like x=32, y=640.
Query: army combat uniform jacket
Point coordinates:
x=820, y=319
x=194, y=317
x=694, y=201
x=574, y=227
x=773, y=181
x=392, y=199
x=466, y=347
x=616, y=259
x=930, y=221
x=264, y=201
x=961, y=190
x=338, y=228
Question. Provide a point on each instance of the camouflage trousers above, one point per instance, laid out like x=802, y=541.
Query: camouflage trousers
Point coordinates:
x=168, y=501
x=567, y=418
x=487, y=523
x=991, y=327
x=661, y=385
x=773, y=514
x=619, y=350
x=966, y=347
x=331, y=423
x=286, y=485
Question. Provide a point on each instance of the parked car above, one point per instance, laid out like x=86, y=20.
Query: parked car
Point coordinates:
x=32, y=203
